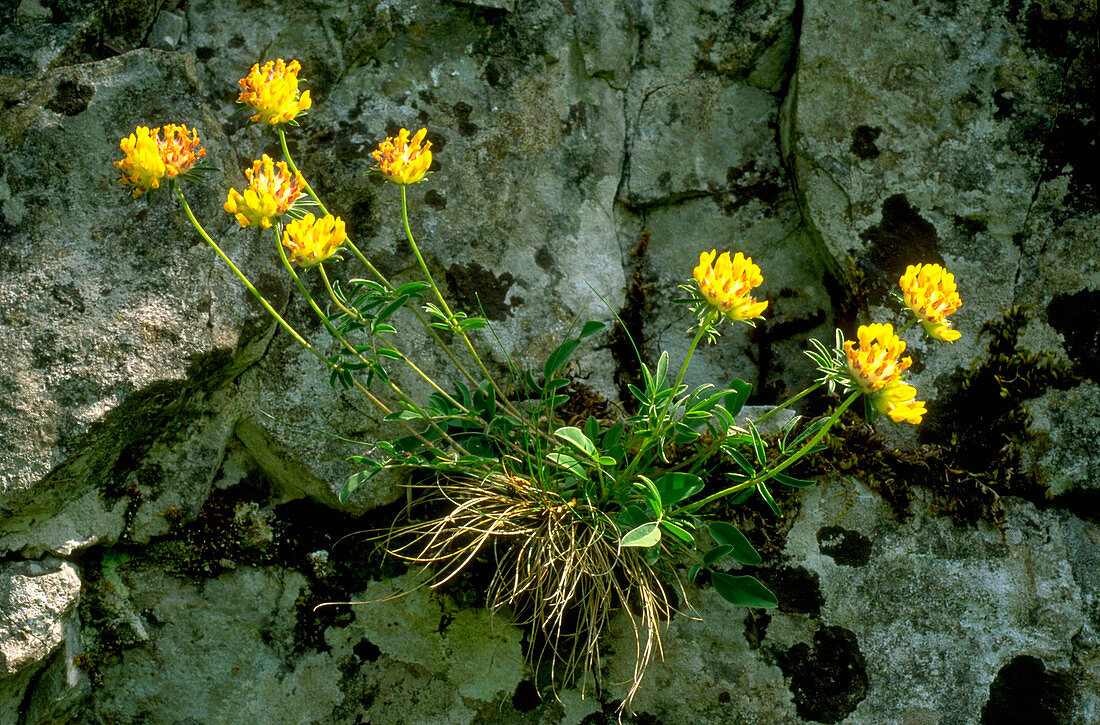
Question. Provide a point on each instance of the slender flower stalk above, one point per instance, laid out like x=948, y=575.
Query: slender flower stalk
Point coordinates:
x=714, y=445
x=351, y=348
x=279, y=318
x=248, y=284
x=372, y=269
x=445, y=307
x=662, y=424
x=355, y=315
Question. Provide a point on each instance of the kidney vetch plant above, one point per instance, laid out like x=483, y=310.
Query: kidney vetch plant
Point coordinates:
x=581, y=521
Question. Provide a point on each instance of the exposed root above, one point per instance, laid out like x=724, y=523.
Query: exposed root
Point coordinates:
x=559, y=569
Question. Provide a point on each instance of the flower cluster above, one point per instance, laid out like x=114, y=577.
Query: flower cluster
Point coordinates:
x=726, y=285
x=311, y=241
x=272, y=91
x=271, y=190
x=149, y=158
x=929, y=291
x=404, y=161
x=876, y=369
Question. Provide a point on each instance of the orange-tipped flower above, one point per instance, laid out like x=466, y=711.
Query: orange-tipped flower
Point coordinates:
x=403, y=161
x=273, y=92
x=149, y=158
x=727, y=285
x=876, y=368
x=142, y=165
x=271, y=190
x=930, y=292
x=311, y=240
x=179, y=150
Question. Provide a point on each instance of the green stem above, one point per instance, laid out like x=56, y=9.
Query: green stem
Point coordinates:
x=294, y=170
x=782, y=466
x=446, y=309
x=788, y=402
x=713, y=446
x=662, y=424
x=240, y=275
x=351, y=348
x=355, y=315
x=370, y=267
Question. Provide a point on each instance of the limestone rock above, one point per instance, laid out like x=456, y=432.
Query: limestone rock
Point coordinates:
x=37, y=603
x=116, y=317
x=940, y=132
x=1062, y=449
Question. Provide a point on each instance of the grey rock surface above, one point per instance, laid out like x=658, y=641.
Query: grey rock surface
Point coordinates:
x=37, y=603
x=1063, y=449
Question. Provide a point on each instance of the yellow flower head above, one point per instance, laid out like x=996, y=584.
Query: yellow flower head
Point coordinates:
x=875, y=363
x=930, y=292
x=273, y=92
x=311, y=240
x=142, y=165
x=876, y=368
x=403, y=161
x=897, y=400
x=179, y=150
x=727, y=284
x=271, y=190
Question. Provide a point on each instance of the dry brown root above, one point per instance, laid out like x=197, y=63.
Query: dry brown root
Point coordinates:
x=559, y=570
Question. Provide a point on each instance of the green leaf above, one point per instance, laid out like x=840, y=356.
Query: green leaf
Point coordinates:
x=389, y=309
x=632, y=515
x=355, y=481
x=740, y=549
x=403, y=415
x=612, y=436
x=693, y=572
x=741, y=497
x=591, y=328
x=411, y=288
x=569, y=462
x=662, y=371
x=675, y=487
x=646, y=535
x=652, y=494
x=809, y=432
x=743, y=591
x=592, y=428
x=768, y=497
x=792, y=481
x=679, y=532
x=757, y=444
x=736, y=400
x=559, y=356
x=485, y=400
x=716, y=554
x=740, y=460
x=577, y=438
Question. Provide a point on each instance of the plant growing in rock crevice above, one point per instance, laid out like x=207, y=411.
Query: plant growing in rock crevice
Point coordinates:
x=582, y=518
